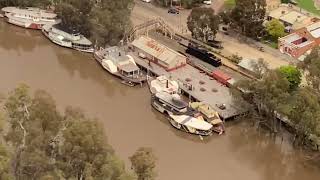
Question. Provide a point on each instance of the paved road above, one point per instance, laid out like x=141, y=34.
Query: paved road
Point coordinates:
x=145, y=11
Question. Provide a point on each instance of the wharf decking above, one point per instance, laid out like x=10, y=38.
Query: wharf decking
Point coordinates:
x=200, y=88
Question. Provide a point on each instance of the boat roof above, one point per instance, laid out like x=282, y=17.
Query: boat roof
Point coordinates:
x=216, y=121
x=115, y=54
x=72, y=31
x=36, y=12
x=172, y=99
x=160, y=84
x=191, y=122
x=67, y=29
x=129, y=67
x=207, y=111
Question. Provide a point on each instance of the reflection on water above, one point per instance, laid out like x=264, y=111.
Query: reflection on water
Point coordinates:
x=75, y=78
x=10, y=41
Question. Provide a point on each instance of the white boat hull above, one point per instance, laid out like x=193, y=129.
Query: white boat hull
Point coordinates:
x=66, y=44
x=177, y=125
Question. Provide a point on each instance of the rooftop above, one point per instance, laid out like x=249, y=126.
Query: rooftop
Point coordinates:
x=277, y=13
x=156, y=49
x=314, y=29
x=71, y=31
x=129, y=67
x=36, y=12
x=247, y=64
x=172, y=99
x=202, y=92
x=115, y=54
x=67, y=29
x=192, y=122
x=291, y=37
x=293, y=17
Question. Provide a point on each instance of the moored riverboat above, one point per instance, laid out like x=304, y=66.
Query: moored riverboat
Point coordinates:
x=179, y=114
x=67, y=37
x=190, y=124
x=209, y=115
x=169, y=104
x=32, y=18
x=163, y=84
x=120, y=64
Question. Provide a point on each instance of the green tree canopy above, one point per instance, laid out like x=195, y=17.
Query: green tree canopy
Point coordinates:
x=275, y=29
x=5, y=173
x=203, y=23
x=49, y=145
x=248, y=16
x=277, y=94
x=102, y=21
x=143, y=163
x=311, y=66
x=292, y=74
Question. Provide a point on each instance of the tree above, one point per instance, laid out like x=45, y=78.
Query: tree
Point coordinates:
x=50, y=145
x=305, y=112
x=110, y=21
x=75, y=15
x=143, y=163
x=275, y=29
x=5, y=172
x=267, y=95
x=311, y=66
x=248, y=16
x=292, y=74
x=203, y=23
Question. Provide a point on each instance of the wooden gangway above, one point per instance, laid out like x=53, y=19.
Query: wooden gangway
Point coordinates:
x=142, y=29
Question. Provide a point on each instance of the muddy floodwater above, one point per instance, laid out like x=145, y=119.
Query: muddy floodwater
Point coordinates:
x=74, y=78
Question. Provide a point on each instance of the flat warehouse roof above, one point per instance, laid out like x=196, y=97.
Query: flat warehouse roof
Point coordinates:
x=156, y=49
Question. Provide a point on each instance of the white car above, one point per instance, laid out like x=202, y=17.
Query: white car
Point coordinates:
x=207, y=2
x=147, y=1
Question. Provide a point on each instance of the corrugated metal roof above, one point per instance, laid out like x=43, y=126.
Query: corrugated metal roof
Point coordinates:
x=156, y=49
x=314, y=29
x=293, y=17
x=291, y=37
x=247, y=64
x=277, y=13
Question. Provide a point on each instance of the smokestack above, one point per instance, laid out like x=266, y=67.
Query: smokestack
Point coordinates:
x=167, y=83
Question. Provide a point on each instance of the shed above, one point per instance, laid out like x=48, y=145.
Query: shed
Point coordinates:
x=159, y=53
x=221, y=76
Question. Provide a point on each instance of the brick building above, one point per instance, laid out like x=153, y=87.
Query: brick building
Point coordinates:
x=300, y=41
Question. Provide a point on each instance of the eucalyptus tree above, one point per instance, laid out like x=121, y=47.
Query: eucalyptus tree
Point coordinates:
x=50, y=145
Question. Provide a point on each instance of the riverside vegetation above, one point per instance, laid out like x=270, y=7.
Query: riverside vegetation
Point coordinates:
x=103, y=21
x=39, y=142
x=280, y=93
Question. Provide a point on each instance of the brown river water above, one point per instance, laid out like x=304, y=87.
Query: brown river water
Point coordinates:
x=74, y=78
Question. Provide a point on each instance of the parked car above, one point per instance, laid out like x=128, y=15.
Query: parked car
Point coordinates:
x=207, y=2
x=147, y=1
x=173, y=10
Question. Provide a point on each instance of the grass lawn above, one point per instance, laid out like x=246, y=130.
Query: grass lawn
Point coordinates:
x=229, y=3
x=308, y=5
